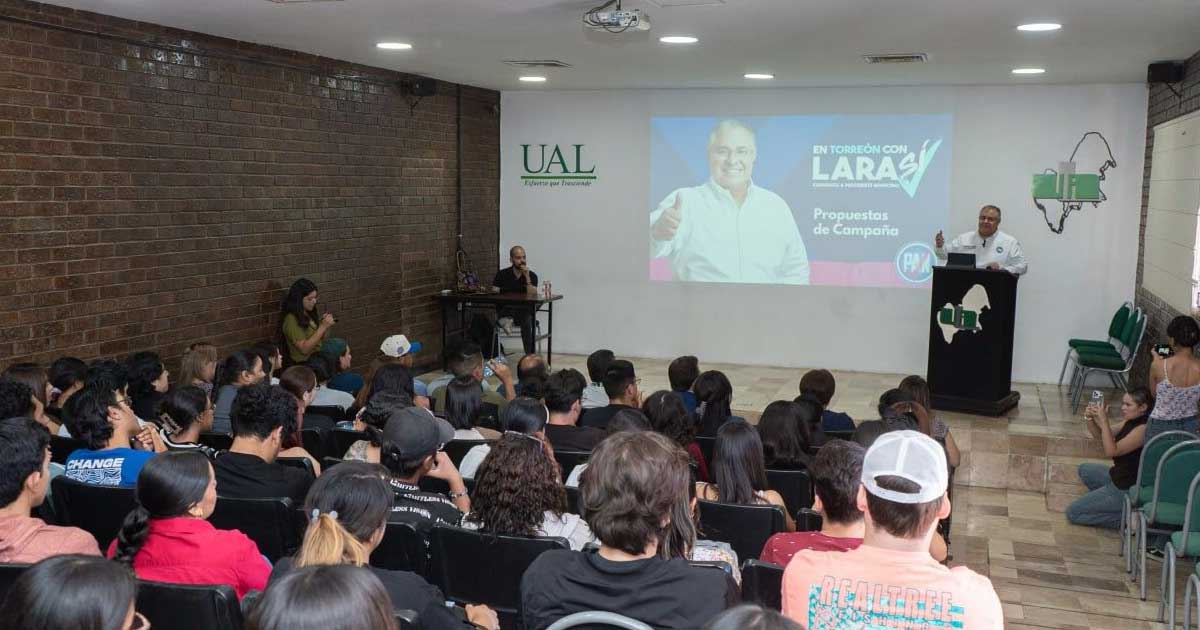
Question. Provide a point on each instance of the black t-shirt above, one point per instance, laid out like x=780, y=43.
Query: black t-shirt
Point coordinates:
x=573, y=438
x=1124, y=469
x=508, y=281
x=408, y=591
x=599, y=417
x=423, y=509
x=665, y=594
x=244, y=476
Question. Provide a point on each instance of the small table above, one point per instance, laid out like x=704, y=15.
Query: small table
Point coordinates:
x=460, y=301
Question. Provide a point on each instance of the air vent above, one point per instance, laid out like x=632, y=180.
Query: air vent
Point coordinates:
x=300, y=1
x=537, y=63
x=686, y=3
x=897, y=58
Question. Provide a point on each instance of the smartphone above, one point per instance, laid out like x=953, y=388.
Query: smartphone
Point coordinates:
x=488, y=371
x=1162, y=350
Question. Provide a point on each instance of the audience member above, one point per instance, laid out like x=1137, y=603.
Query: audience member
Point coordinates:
x=903, y=494
x=821, y=384
x=184, y=413
x=631, y=419
x=24, y=478
x=344, y=379
x=467, y=361
x=668, y=415
x=34, y=376
x=395, y=350
x=303, y=329
x=621, y=386
x=900, y=411
x=751, y=617
x=393, y=379
x=73, y=593
x=16, y=399
x=148, y=381
x=715, y=395
x=634, y=488
x=738, y=472
x=810, y=412
x=324, y=597
x=239, y=369
x=835, y=472
x=66, y=377
x=563, y=398
x=1103, y=505
x=199, y=366
x=167, y=537
x=249, y=470
x=301, y=382
x=785, y=436
x=918, y=388
x=1175, y=381
x=464, y=404
x=272, y=360
x=347, y=509
x=102, y=418
x=687, y=544
x=323, y=396
x=372, y=420
x=597, y=366
x=531, y=371
x=523, y=415
x=682, y=373
x=412, y=449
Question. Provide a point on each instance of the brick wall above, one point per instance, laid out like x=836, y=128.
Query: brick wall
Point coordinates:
x=159, y=187
x=1163, y=106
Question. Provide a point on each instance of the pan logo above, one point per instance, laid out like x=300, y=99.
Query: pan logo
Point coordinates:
x=955, y=318
x=1070, y=189
x=914, y=262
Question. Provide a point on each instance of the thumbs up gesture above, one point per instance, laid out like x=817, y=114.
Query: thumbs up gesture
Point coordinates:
x=939, y=241
x=668, y=222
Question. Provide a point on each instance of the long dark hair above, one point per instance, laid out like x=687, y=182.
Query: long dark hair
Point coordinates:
x=464, y=399
x=323, y=597
x=785, y=435
x=524, y=415
x=392, y=379
x=293, y=302
x=237, y=362
x=715, y=394
x=351, y=502
x=70, y=592
x=669, y=416
x=181, y=407
x=167, y=486
x=515, y=486
x=738, y=467
x=143, y=368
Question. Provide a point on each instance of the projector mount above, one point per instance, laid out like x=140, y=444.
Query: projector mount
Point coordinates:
x=616, y=19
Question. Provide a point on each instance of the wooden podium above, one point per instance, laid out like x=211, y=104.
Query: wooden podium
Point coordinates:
x=971, y=318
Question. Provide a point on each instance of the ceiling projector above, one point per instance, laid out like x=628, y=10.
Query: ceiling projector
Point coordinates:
x=616, y=20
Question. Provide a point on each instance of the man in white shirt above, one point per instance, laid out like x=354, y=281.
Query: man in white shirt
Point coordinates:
x=993, y=249
x=728, y=229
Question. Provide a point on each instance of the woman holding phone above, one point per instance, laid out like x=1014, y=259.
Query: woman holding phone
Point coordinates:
x=302, y=327
x=1102, y=505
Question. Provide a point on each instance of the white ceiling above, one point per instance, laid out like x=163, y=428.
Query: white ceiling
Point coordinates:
x=803, y=42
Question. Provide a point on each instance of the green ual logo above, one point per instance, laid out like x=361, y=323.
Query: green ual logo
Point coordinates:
x=548, y=165
x=955, y=318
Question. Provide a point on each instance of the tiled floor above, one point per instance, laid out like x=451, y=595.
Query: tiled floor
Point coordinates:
x=1016, y=477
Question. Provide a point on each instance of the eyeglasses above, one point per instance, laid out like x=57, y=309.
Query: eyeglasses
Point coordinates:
x=139, y=622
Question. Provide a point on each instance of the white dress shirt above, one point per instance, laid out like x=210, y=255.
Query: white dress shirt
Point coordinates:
x=717, y=241
x=998, y=248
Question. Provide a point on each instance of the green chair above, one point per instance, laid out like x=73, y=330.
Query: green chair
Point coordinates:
x=1143, y=488
x=1183, y=544
x=1115, y=328
x=1103, y=361
x=1166, y=511
x=1193, y=586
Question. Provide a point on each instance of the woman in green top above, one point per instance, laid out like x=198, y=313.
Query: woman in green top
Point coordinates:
x=303, y=328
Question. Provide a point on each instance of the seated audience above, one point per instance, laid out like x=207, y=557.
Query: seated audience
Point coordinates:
x=372, y=420
x=467, y=361
x=811, y=410
x=167, y=537
x=301, y=383
x=918, y=388
x=73, y=593
x=738, y=473
x=821, y=385
x=518, y=492
x=248, y=470
x=148, y=381
x=412, y=449
x=786, y=440
x=523, y=415
x=240, y=369
x=621, y=386
x=199, y=366
x=324, y=597
x=24, y=478
x=634, y=488
x=34, y=376
x=563, y=397
x=302, y=328
x=464, y=403
x=393, y=379
x=597, y=365
x=323, y=368
x=344, y=379
x=395, y=350
x=751, y=617
x=117, y=446
x=682, y=373
x=1103, y=505
x=347, y=509
x=272, y=360
x=16, y=399
x=624, y=420
x=687, y=544
x=1175, y=380
x=66, y=377
x=835, y=475
x=668, y=415
x=714, y=394
x=903, y=495
x=531, y=372
x=184, y=413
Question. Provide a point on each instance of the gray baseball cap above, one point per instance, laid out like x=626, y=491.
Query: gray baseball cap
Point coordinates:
x=416, y=432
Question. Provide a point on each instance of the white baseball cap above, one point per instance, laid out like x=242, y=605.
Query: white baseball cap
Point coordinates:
x=398, y=346
x=909, y=455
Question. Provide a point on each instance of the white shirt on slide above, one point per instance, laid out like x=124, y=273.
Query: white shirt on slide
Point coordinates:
x=719, y=242
x=998, y=248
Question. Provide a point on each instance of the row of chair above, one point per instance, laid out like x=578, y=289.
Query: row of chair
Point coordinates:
x=1113, y=356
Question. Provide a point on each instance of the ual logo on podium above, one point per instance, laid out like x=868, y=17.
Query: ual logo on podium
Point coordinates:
x=954, y=318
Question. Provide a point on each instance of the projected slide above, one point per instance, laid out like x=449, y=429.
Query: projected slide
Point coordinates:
x=839, y=200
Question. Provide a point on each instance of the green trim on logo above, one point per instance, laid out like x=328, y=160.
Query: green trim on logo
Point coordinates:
x=558, y=177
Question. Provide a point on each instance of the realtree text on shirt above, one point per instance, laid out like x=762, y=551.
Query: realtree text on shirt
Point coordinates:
x=998, y=248
x=718, y=241
x=110, y=467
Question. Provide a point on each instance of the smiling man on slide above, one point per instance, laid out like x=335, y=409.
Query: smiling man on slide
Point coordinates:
x=728, y=229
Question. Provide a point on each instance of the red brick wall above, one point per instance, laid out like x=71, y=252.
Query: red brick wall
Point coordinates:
x=159, y=187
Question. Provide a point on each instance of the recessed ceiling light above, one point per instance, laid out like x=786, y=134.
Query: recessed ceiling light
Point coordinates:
x=533, y=79
x=678, y=39
x=1039, y=27
x=1028, y=70
x=758, y=75
x=393, y=46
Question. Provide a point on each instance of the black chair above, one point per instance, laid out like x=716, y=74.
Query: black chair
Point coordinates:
x=407, y=620
x=403, y=548
x=302, y=463
x=270, y=523
x=98, y=510
x=706, y=444
x=480, y=568
x=762, y=584
x=329, y=462
x=456, y=450
x=217, y=441
x=574, y=505
x=489, y=416
x=341, y=440
x=568, y=460
x=8, y=576
x=318, y=421
x=337, y=414
x=795, y=486
x=314, y=441
x=62, y=447
x=809, y=520
x=745, y=527
x=188, y=606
